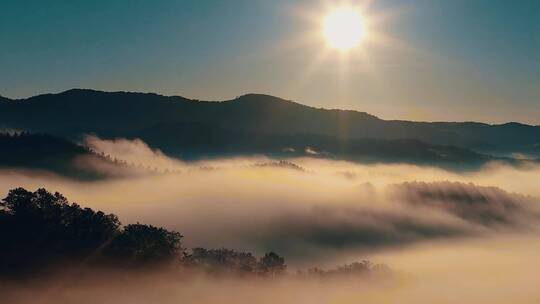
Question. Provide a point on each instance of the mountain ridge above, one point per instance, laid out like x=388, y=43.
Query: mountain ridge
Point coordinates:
x=246, y=96
x=119, y=114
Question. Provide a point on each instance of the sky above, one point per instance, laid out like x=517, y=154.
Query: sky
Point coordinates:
x=429, y=60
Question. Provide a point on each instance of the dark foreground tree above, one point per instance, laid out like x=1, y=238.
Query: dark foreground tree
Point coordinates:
x=227, y=261
x=220, y=261
x=140, y=245
x=38, y=227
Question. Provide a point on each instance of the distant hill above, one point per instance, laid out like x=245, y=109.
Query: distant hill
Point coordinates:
x=52, y=154
x=263, y=119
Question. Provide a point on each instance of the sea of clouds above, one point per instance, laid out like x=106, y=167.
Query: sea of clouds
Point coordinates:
x=464, y=237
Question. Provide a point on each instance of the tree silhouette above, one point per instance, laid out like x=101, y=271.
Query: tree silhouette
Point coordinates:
x=272, y=264
x=355, y=269
x=139, y=245
x=220, y=261
x=45, y=223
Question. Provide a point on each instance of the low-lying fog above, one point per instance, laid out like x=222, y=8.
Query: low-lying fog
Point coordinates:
x=451, y=237
x=499, y=271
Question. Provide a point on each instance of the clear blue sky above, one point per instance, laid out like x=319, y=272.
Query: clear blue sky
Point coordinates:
x=451, y=60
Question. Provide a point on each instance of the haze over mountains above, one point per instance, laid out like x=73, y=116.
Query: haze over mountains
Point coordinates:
x=254, y=123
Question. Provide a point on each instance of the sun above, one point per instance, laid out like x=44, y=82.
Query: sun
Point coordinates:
x=343, y=28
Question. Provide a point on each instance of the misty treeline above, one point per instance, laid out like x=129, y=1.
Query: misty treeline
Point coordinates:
x=21, y=149
x=40, y=231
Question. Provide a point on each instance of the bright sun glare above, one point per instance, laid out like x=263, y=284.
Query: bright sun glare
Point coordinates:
x=343, y=28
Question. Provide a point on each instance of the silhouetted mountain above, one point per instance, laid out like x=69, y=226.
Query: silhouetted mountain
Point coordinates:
x=261, y=117
x=53, y=154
